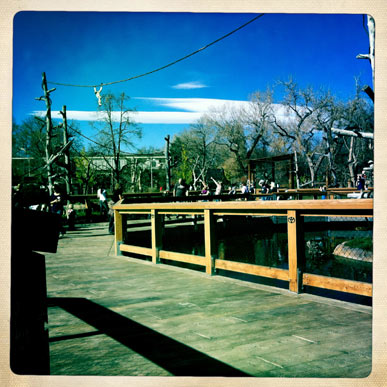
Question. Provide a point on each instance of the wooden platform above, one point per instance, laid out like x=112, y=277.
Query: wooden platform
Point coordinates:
x=112, y=315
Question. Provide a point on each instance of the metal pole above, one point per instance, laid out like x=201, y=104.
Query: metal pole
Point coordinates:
x=151, y=165
x=167, y=165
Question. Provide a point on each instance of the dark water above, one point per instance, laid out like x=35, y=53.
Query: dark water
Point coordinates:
x=263, y=241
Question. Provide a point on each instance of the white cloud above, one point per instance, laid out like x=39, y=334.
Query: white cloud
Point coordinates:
x=193, y=108
x=139, y=117
x=190, y=85
x=199, y=105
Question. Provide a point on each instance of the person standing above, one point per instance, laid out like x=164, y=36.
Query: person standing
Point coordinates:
x=117, y=193
x=56, y=202
x=204, y=191
x=180, y=189
x=111, y=217
x=218, y=184
x=103, y=207
x=56, y=207
x=244, y=189
x=273, y=190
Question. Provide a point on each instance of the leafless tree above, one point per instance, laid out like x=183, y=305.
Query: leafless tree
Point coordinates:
x=116, y=130
x=303, y=106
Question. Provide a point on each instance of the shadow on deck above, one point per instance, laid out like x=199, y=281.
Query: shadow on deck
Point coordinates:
x=171, y=355
x=113, y=315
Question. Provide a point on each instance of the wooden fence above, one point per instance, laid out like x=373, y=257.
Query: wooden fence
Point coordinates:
x=295, y=211
x=284, y=193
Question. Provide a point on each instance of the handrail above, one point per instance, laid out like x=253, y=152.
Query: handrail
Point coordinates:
x=338, y=204
x=294, y=210
x=195, y=195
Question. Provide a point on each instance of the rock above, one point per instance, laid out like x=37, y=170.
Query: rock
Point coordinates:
x=342, y=250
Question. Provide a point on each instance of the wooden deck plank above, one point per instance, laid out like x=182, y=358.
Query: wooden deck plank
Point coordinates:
x=112, y=315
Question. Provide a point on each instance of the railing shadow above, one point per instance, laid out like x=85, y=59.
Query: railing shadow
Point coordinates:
x=175, y=357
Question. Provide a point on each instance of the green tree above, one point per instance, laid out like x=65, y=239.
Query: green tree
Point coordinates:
x=28, y=149
x=184, y=169
x=85, y=171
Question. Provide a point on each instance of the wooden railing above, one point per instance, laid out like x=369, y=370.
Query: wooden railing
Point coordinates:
x=284, y=193
x=295, y=211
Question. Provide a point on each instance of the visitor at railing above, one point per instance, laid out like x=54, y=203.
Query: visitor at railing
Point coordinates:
x=181, y=188
x=218, y=189
x=57, y=206
x=273, y=190
x=103, y=206
x=232, y=190
x=323, y=189
x=117, y=193
x=265, y=189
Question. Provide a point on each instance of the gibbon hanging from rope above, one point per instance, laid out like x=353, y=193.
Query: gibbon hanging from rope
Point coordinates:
x=98, y=95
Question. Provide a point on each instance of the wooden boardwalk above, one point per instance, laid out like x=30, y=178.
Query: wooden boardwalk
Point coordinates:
x=112, y=315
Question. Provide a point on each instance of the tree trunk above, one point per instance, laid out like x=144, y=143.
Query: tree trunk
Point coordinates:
x=296, y=170
x=67, y=152
x=352, y=161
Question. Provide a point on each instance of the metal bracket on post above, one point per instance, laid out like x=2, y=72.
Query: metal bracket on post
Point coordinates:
x=209, y=241
x=157, y=255
x=118, y=248
x=157, y=235
x=213, y=270
x=299, y=281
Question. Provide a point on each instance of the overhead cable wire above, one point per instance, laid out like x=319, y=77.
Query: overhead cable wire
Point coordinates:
x=95, y=142
x=167, y=65
x=87, y=138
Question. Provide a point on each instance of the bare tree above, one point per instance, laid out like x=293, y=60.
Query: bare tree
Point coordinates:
x=116, y=131
x=257, y=118
x=299, y=128
x=230, y=134
x=357, y=115
x=325, y=116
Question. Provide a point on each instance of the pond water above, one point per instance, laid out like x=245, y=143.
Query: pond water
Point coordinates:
x=263, y=241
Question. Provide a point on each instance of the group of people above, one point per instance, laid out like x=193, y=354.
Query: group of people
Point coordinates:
x=181, y=188
x=206, y=191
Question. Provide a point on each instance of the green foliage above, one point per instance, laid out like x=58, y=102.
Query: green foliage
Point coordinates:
x=232, y=170
x=85, y=173
x=184, y=169
x=361, y=243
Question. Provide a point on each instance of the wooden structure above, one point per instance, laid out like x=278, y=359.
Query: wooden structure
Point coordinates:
x=289, y=159
x=122, y=316
x=148, y=197
x=295, y=211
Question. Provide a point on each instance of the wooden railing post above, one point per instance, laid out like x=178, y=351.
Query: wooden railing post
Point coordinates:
x=295, y=250
x=118, y=231
x=209, y=241
x=157, y=235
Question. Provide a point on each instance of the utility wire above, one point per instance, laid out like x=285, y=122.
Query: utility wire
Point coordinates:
x=168, y=65
x=87, y=138
x=95, y=142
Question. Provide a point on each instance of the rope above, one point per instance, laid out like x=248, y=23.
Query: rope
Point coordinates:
x=163, y=67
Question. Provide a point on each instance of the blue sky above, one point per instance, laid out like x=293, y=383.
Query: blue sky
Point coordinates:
x=88, y=48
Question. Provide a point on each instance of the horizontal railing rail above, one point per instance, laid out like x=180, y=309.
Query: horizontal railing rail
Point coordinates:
x=294, y=211
x=165, y=197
